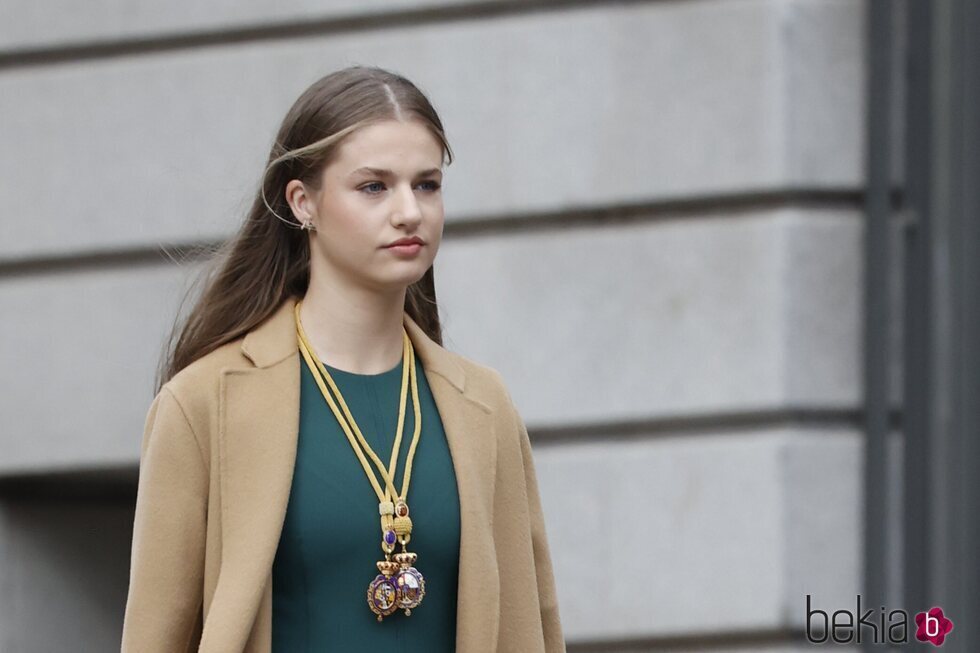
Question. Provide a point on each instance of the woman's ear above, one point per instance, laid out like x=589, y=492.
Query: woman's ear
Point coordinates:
x=302, y=203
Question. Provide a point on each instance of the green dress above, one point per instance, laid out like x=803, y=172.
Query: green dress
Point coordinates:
x=331, y=536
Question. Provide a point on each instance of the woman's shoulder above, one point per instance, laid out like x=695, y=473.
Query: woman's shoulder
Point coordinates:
x=206, y=370
x=484, y=381
x=197, y=386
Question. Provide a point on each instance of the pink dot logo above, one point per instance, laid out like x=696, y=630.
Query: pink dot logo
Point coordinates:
x=932, y=626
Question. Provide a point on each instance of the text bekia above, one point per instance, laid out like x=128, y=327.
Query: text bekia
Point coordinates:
x=843, y=625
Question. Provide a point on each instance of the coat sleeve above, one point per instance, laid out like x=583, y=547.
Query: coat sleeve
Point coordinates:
x=163, y=606
x=554, y=640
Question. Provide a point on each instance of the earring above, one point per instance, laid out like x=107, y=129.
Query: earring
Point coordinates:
x=308, y=226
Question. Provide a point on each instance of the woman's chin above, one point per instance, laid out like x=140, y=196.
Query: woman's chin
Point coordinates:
x=398, y=280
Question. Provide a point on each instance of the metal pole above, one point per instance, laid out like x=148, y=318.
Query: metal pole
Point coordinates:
x=877, y=304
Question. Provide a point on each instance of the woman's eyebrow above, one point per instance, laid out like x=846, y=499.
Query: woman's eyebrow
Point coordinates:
x=382, y=172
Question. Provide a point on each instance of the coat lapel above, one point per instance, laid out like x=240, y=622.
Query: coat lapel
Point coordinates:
x=258, y=429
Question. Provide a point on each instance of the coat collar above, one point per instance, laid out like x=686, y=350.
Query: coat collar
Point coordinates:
x=257, y=437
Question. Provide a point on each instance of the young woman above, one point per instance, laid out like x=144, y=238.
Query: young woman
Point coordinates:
x=317, y=472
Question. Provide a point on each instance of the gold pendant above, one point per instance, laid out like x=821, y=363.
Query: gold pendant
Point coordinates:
x=409, y=581
x=382, y=593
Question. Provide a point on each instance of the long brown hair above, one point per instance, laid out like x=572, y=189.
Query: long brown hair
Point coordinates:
x=268, y=259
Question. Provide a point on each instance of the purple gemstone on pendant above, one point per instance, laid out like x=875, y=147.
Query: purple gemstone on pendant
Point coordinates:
x=389, y=537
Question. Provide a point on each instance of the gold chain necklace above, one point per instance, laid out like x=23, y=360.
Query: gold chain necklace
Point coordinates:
x=399, y=585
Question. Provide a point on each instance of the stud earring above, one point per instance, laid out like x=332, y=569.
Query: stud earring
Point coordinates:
x=308, y=226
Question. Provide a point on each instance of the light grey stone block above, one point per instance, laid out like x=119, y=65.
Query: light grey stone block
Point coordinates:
x=705, y=533
x=822, y=273
x=59, y=22
x=824, y=84
x=81, y=351
x=822, y=477
x=755, y=312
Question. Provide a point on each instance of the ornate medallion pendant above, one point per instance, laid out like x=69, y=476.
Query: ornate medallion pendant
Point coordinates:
x=382, y=593
x=410, y=583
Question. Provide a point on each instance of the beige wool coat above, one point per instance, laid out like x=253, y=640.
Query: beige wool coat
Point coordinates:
x=216, y=466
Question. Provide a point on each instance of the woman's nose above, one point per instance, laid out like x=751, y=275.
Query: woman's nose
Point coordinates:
x=408, y=209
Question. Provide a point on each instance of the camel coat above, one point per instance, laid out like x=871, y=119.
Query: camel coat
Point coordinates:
x=216, y=466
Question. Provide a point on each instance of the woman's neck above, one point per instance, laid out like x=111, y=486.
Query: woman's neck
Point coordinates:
x=355, y=330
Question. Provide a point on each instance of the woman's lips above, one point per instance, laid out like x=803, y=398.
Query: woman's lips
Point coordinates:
x=405, y=250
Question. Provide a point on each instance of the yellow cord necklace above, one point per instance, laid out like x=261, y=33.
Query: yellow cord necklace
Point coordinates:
x=399, y=585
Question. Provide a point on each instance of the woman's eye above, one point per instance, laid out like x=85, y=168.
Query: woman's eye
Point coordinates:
x=433, y=186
